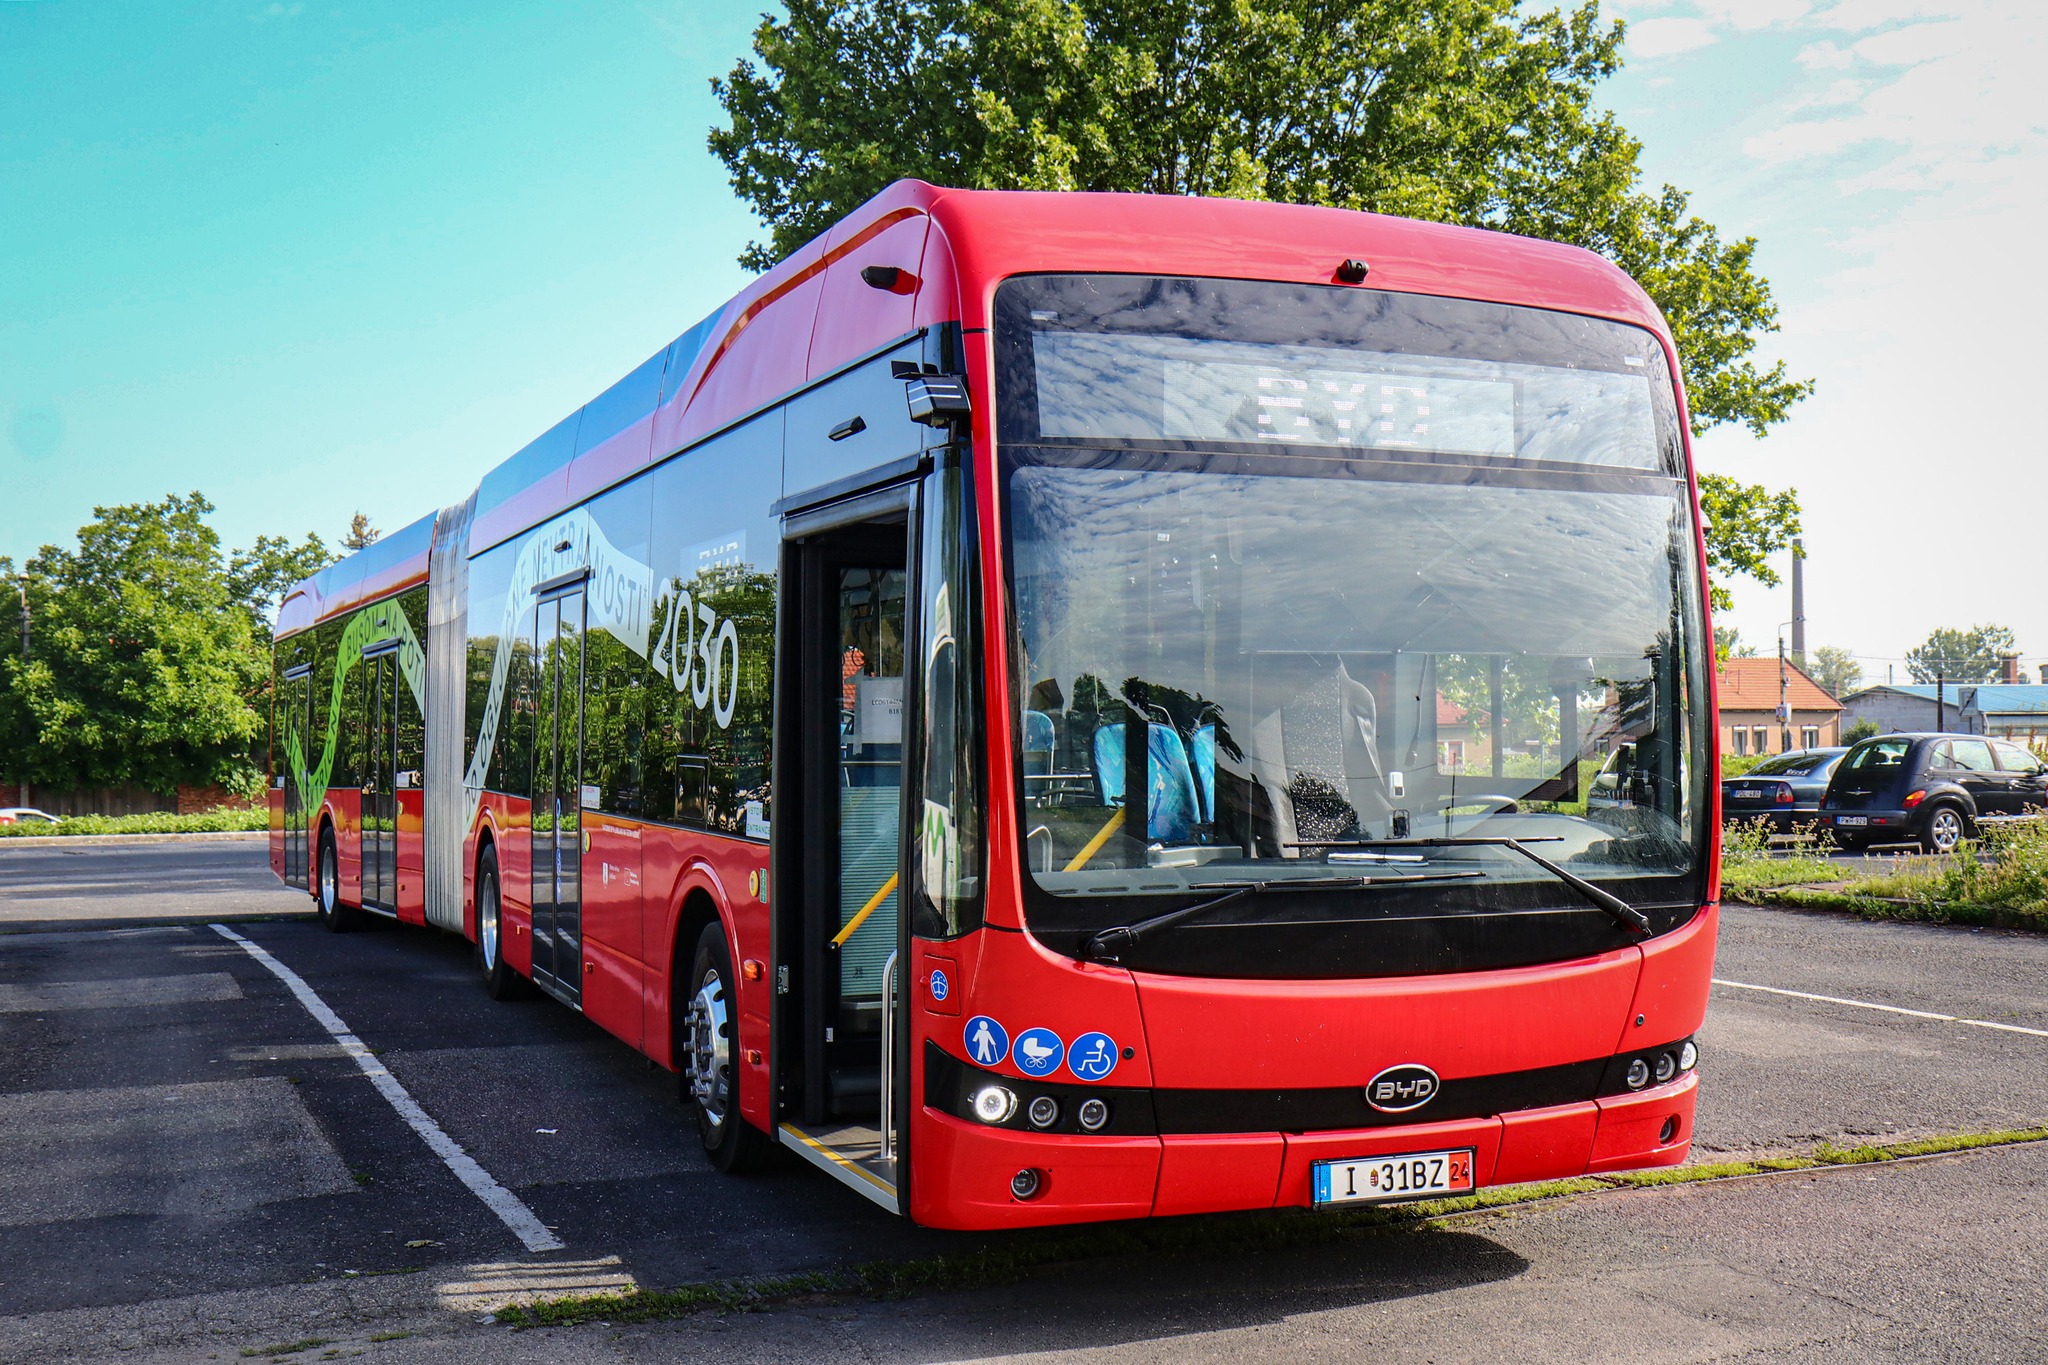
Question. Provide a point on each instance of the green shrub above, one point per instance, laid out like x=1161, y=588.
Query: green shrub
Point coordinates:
x=207, y=822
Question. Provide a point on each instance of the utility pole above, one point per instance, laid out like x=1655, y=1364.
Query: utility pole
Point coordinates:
x=22, y=581
x=1940, y=704
x=1784, y=701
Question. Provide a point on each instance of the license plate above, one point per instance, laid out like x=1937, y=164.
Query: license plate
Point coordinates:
x=1746, y=793
x=1852, y=819
x=1413, y=1175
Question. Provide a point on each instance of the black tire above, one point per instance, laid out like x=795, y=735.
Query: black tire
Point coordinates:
x=502, y=981
x=707, y=1040
x=335, y=917
x=1943, y=828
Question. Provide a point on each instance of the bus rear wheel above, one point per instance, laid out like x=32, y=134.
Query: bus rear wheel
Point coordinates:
x=502, y=981
x=709, y=1056
x=335, y=917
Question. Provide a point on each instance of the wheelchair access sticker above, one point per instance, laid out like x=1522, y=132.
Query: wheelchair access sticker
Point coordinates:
x=1092, y=1057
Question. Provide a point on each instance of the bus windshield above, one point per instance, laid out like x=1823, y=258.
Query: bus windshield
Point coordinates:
x=1326, y=573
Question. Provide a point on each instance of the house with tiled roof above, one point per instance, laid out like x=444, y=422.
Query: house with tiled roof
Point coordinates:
x=1750, y=689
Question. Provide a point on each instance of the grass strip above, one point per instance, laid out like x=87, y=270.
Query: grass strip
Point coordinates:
x=1235, y=1235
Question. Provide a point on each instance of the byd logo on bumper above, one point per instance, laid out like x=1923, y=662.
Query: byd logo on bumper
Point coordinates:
x=1399, y=1089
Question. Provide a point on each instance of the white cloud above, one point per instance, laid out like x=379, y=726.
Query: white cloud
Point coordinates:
x=1825, y=56
x=1754, y=14
x=1926, y=161
x=1668, y=37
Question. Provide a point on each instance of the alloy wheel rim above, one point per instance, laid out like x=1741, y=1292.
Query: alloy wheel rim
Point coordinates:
x=1946, y=830
x=488, y=929
x=710, y=1047
x=329, y=893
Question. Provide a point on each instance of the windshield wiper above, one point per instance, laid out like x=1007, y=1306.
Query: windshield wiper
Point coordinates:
x=1626, y=915
x=1105, y=944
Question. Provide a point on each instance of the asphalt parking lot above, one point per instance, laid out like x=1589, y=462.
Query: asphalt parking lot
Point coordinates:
x=199, y=1164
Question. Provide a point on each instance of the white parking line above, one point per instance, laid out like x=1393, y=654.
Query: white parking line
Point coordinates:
x=1888, y=1009
x=501, y=1201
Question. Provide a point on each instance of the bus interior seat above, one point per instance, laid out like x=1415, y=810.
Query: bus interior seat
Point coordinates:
x=1173, y=809
x=1039, y=743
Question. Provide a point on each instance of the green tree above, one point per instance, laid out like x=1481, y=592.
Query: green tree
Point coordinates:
x=360, y=534
x=1967, y=656
x=1835, y=669
x=150, y=661
x=1728, y=644
x=141, y=664
x=259, y=576
x=1860, y=730
x=1462, y=111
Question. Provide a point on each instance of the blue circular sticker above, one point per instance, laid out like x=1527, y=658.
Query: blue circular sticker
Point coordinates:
x=987, y=1041
x=941, y=988
x=1093, y=1056
x=1039, y=1051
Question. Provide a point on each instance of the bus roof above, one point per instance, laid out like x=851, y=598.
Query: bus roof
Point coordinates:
x=813, y=314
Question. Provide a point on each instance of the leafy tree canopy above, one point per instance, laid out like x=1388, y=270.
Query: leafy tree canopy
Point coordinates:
x=1967, y=656
x=1476, y=112
x=1835, y=669
x=149, y=652
x=360, y=534
x=258, y=576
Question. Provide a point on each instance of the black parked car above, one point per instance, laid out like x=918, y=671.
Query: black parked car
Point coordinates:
x=1929, y=789
x=1784, y=792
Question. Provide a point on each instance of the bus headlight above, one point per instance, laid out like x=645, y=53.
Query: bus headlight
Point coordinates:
x=1688, y=1056
x=1638, y=1076
x=1093, y=1114
x=1667, y=1067
x=1044, y=1112
x=994, y=1103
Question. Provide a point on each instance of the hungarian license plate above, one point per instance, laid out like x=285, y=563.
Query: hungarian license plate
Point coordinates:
x=1852, y=819
x=1410, y=1176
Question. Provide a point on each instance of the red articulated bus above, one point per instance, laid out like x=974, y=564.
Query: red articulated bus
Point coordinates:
x=783, y=708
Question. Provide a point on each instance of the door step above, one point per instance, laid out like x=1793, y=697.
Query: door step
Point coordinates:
x=852, y=1154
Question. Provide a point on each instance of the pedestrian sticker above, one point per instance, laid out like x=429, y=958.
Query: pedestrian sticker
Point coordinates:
x=1039, y=1051
x=987, y=1043
x=941, y=988
x=1093, y=1056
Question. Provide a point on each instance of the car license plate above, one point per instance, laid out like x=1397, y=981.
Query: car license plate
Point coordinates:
x=1747, y=793
x=1852, y=819
x=1412, y=1175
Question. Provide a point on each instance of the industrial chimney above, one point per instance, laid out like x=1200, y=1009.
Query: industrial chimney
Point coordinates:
x=1799, y=602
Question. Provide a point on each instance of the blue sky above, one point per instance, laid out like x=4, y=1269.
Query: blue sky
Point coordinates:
x=311, y=258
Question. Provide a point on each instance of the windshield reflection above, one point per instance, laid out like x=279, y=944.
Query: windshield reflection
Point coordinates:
x=1286, y=665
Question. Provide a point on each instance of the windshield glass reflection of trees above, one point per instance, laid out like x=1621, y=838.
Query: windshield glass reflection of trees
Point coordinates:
x=1287, y=666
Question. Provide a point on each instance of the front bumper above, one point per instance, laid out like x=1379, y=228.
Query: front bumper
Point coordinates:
x=963, y=1169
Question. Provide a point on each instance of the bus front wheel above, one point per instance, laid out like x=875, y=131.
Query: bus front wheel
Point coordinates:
x=710, y=1060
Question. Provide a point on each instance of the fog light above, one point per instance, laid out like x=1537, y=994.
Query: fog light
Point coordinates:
x=1638, y=1075
x=1667, y=1067
x=1688, y=1056
x=1094, y=1113
x=1027, y=1183
x=1044, y=1112
x=1668, y=1131
x=994, y=1103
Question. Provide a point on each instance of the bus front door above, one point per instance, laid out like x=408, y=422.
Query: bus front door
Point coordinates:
x=852, y=590
x=557, y=828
